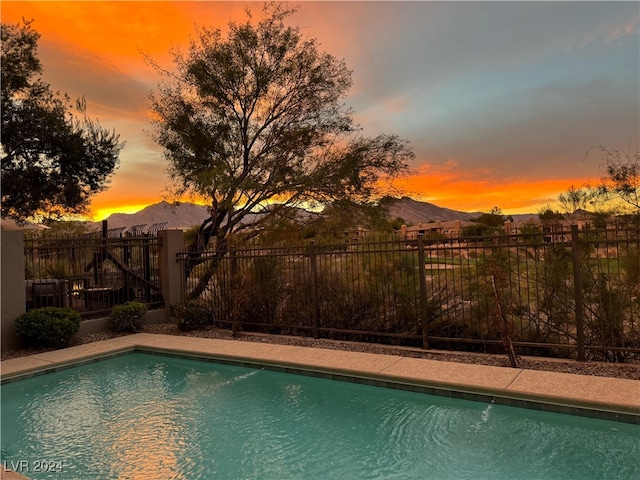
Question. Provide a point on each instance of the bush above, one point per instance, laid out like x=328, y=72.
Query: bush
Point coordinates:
x=192, y=314
x=127, y=317
x=48, y=327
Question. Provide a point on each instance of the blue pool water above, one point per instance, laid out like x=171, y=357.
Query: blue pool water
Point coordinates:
x=154, y=417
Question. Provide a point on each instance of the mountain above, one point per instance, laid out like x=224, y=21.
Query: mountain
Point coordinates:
x=413, y=211
x=184, y=215
x=179, y=215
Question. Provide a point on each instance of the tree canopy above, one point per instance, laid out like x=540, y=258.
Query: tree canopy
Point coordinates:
x=548, y=215
x=621, y=183
x=574, y=199
x=254, y=121
x=489, y=223
x=52, y=160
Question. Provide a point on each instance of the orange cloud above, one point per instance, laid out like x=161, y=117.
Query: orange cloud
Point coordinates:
x=479, y=190
x=102, y=213
x=120, y=29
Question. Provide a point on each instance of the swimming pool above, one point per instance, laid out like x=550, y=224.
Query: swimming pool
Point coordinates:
x=148, y=416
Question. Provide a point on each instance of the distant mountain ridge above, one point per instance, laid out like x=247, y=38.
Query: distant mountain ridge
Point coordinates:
x=414, y=211
x=178, y=215
x=184, y=215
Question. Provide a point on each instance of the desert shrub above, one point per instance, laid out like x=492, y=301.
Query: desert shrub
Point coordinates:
x=609, y=307
x=127, y=317
x=258, y=293
x=48, y=327
x=192, y=314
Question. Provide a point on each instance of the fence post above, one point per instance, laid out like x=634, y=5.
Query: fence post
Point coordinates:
x=234, y=262
x=577, y=291
x=423, y=293
x=103, y=254
x=234, y=286
x=314, y=288
x=146, y=265
x=171, y=270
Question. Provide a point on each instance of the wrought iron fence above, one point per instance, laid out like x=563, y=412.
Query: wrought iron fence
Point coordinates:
x=91, y=273
x=570, y=294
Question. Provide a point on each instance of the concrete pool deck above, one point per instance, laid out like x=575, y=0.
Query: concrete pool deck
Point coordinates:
x=600, y=397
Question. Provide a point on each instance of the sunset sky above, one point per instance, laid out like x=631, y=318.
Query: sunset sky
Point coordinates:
x=499, y=100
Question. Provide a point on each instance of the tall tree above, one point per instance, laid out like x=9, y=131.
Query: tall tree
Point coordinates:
x=52, y=160
x=255, y=122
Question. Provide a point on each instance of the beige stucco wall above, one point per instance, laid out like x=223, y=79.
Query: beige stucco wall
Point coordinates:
x=12, y=285
x=171, y=271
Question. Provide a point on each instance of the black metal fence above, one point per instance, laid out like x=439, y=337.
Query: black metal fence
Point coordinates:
x=570, y=294
x=91, y=273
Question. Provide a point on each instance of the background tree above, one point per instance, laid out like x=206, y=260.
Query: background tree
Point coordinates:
x=255, y=122
x=621, y=184
x=52, y=160
x=550, y=217
x=345, y=220
x=573, y=200
x=489, y=223
x=494, y=218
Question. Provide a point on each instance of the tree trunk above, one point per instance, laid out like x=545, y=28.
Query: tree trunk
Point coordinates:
x=212, y=267
x=195, y=258
x=209, y=228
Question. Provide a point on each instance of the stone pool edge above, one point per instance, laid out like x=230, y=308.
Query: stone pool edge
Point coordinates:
x=598, y=397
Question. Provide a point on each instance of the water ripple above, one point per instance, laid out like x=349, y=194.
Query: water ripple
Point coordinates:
x=141, y=417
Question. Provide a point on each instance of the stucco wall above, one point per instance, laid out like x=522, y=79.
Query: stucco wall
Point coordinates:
x=13, y=299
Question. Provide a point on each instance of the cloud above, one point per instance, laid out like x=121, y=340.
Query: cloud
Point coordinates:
x=541, y=132
x=106, y=87
x=498, y=99
x=481, y=189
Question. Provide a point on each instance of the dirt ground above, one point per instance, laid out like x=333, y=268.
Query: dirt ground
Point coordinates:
x=616, y=370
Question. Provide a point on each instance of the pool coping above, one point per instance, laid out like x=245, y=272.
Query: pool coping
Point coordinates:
x=599, y=397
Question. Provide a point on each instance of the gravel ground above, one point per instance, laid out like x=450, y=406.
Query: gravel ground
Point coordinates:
x=616, y=370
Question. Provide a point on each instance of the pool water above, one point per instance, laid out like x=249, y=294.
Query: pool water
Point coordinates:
x=143, y=416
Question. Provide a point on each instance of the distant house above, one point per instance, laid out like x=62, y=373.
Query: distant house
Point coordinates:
x=355, y=234
x=555, y=230
x=452, y=229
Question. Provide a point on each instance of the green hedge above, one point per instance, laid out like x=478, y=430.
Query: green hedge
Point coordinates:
x=127, y=317
x=48, y=327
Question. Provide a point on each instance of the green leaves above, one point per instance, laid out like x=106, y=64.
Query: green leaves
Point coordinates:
x=127, y=317
x=52, y=160
x=48, y=327
x=258, y=117
x=19, y=47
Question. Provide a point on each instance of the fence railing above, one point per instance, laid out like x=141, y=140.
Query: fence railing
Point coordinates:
x=571, y=294
x=91, y=273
